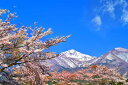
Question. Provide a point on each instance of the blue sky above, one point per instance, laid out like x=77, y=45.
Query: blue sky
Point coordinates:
x=97, y=26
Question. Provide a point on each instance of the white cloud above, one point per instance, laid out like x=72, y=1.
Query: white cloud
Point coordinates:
x=110, y=6
x=117, y=9
x=97, y=21
x=124, y=17
x=122, y=3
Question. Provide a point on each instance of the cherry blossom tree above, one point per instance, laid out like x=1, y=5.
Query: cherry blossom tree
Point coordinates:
x=92, y=75
x=22, y=49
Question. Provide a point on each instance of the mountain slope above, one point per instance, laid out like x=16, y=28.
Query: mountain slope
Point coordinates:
x=70, y=59
x=116, y=58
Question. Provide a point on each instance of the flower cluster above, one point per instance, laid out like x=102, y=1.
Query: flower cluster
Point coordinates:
x=18, y=47
x=95, y=74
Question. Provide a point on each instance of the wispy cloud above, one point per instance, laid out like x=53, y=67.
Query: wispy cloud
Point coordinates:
x=124, y=17
x=98, y=22
x=109, y=7
x=117, y=9
x=121, y=5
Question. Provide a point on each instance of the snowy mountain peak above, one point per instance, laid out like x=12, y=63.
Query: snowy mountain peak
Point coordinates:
x=118, y=57
x=71, y=59
x=77, y=55
x=120, y=49
x=70, y=51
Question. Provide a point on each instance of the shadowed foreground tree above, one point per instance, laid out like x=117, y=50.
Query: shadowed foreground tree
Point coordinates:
x=18, y=51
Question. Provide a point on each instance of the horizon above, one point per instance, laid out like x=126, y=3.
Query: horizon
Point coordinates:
x=96, y=28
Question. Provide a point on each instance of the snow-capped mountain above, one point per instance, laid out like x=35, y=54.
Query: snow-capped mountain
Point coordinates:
x=70, y=59
x=117, y=58
x=121, y=53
